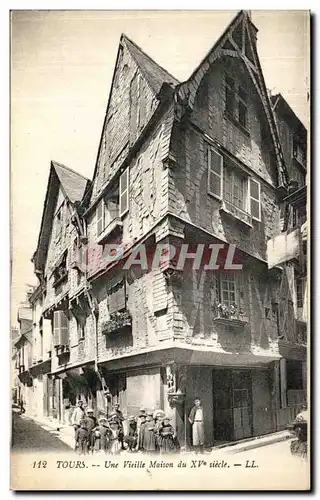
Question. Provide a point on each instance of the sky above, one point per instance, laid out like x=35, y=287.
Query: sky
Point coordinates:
x=62, y=64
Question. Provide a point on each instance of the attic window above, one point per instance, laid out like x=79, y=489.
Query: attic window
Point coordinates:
x=236, y=102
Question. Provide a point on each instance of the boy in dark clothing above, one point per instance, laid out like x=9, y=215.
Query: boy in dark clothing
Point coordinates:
x=140, y=444
x=101, y=436
x=82, y=437
x=132, y=434
x=91, y=423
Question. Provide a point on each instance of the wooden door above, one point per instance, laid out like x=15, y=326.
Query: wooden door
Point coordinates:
x=222, y=405
x=242, y=404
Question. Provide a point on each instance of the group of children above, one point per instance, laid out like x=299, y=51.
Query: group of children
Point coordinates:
x=149, y=432
x=104, y=435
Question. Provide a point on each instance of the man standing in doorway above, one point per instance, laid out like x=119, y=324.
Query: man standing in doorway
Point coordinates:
x=196, y=420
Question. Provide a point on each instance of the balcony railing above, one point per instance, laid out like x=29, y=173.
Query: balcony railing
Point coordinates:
x=236, y=212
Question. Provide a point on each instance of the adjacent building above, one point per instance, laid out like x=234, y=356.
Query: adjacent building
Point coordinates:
x=200, y=162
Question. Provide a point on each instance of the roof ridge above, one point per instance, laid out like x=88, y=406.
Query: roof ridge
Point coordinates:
x=124, y=36
x=54, y=162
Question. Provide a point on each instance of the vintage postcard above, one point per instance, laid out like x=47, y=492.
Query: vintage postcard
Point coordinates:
x=159, y=244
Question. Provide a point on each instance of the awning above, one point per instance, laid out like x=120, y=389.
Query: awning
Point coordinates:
x=191, y=355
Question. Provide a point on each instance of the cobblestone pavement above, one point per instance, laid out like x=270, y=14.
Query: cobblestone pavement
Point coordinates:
x=29, y=436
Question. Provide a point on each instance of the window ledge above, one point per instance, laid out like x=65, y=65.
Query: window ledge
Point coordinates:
x=232, y=210
x=235, y=122
x=232, y=321
x=111, y=227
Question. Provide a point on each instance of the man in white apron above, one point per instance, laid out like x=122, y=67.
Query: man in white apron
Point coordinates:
x=196, y=418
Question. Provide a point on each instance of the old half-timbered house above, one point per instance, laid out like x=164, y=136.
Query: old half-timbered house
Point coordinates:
x=56, y=330
x=289, y=250
x=204, y=164
x=198, y=162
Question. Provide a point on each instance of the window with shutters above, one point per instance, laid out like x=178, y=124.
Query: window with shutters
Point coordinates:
x=117, y=295
x=240, y=194
x=60, y=328
x=124, y=192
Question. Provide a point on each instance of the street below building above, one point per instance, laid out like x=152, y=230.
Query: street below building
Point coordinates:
x=29, y=436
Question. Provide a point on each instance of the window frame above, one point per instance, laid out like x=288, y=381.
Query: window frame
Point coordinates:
x=223, y=277
x=217, y=289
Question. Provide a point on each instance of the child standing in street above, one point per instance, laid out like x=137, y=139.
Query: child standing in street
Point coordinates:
x=82, y=438
x=167, y=437
x=149, y=437
x=101, y=436
x=115, y=436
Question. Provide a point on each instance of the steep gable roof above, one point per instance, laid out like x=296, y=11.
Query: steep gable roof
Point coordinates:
x=73, y=186
x=72, y=183
x=281, y=106
x=154, y=74
x=239, y=40
x=152, y=71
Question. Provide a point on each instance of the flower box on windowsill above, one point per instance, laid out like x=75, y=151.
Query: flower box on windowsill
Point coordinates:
x=231, y=321
x=115, y=224
x=237, y=213
x=230, y=315
x=118, y=322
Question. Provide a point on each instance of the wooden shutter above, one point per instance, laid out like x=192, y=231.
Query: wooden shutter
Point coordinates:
x=215, y=169
x=100, y=217
x=124, y=192
x=60, y=328
x=255, y=199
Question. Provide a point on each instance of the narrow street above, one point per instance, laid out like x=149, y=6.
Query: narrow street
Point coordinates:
x=29, y=436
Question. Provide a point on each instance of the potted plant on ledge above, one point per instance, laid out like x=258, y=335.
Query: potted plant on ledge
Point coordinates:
x=229, y=314
x=117, y=322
